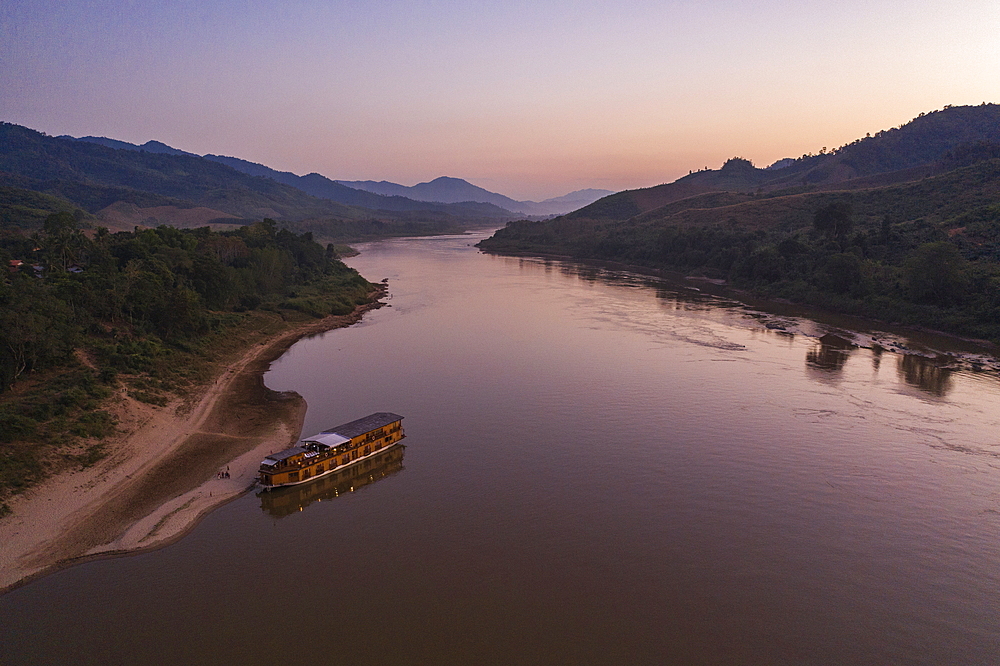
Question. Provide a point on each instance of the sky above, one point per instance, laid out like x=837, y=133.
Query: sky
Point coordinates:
x=530, y=99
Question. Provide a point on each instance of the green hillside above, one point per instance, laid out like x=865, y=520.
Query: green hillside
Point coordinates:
x=27, y=209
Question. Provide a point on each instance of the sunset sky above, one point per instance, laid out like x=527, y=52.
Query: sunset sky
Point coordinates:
x=531, y=99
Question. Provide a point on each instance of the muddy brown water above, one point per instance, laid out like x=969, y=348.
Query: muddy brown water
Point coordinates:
x=600, y=468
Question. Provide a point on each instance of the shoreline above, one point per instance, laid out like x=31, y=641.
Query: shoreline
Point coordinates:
x=160, y=477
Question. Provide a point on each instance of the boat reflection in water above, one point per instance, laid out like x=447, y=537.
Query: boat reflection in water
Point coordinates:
x=283, y=502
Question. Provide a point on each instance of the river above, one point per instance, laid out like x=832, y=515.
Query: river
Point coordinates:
x=600, y=468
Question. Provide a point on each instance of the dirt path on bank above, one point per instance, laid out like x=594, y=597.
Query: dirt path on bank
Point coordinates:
x=161, y=476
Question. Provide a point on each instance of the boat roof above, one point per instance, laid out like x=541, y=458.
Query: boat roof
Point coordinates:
x=363, y=425
x=282, y=455
x=330, y=439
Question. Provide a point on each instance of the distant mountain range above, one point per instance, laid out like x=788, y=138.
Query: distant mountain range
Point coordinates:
x=315, y=184
x=453, y=190
x=324, y=188
x=122, y=187
x=387, y=196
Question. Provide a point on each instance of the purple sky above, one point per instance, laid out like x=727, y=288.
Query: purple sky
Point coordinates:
x=531, y=99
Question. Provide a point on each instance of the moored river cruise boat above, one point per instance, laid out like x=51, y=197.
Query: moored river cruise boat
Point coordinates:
x=331, y=450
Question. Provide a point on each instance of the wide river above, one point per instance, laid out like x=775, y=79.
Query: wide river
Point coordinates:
x=600, y=468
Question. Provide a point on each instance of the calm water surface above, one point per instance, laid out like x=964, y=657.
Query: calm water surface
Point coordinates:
x=599, y=470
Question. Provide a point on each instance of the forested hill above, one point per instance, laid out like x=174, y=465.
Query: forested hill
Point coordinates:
x=48, y=164
x=918, y=245
x=907, y=152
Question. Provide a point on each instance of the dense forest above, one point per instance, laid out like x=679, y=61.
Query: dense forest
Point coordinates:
x=83, y=314
x=918, y=246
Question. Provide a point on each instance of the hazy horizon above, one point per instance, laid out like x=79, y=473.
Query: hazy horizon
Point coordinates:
x=529, y=100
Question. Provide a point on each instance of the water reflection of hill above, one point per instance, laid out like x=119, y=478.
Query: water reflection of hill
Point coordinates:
x=927, y=374
x=829, y=354
x=286, y=501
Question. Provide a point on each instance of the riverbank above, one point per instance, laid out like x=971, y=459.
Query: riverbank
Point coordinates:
x=161, y=474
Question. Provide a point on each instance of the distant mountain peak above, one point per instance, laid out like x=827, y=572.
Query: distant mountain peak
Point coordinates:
x=160, y=147
x=781, y=164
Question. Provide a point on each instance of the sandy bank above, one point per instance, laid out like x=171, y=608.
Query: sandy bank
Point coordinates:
x=161, y=474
